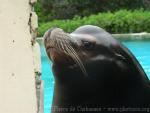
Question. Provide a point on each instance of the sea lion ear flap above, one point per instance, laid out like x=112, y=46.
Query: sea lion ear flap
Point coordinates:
x=120, y=61
x=119, y=56
x=117, y=53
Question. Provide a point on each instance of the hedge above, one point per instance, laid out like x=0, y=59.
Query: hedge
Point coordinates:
x=66, y=9
x=122, y=21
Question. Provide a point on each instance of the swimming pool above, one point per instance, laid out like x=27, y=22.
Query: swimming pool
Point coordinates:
x=141, y=49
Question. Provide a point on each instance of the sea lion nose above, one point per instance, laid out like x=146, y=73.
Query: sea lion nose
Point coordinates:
x=48, y=33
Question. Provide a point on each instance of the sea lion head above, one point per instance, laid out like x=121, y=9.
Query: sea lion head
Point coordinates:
x=90, y=63
x=88, y=50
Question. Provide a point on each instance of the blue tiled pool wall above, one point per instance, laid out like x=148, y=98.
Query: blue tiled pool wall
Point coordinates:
x=141, y=49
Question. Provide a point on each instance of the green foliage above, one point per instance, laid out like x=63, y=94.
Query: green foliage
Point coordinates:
x=67, y=9
x=42, y=17
x=122, y=21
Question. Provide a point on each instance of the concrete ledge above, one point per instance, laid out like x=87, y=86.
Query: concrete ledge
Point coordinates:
x=130, y=36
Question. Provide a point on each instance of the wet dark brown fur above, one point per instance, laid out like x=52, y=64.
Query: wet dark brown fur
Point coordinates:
x=113, y=79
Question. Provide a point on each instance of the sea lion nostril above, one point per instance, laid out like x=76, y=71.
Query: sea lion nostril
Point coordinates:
x=48, y=33
x=51, y=29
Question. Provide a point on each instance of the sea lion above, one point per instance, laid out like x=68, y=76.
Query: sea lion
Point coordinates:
x=95, y=73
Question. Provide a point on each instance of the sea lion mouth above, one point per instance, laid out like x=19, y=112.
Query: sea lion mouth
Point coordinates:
x=58, y=44
x=49, y=48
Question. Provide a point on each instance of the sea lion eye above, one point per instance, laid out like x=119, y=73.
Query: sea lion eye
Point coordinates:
x=88, y=45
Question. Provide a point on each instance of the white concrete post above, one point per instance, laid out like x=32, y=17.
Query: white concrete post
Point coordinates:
x=17, y=76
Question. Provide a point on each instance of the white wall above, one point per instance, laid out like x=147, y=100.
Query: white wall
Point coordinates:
x=17, y=79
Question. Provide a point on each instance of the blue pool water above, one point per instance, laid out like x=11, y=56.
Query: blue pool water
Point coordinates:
x=141, y=49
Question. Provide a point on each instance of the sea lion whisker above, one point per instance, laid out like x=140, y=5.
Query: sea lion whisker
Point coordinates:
x=67, y=37
x=71, y=39
x=76, y=58
x=58, y=46
x=52, y=42
x=65, y=46
x=61, y=43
